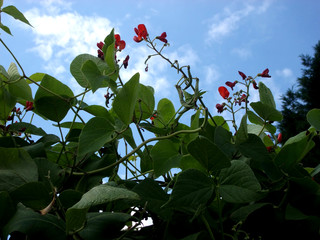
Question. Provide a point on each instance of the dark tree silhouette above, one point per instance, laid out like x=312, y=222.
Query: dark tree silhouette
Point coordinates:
x=297, y=102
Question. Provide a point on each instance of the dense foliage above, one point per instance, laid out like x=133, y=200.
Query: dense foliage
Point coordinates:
x=299, y=100
x=239, y=184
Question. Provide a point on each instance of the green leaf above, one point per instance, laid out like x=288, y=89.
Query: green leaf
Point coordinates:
x=69, y=197
x=75, y=220
x=7, y=208
x=293, y=151
x=220, y=121
x=260, y=158
x=16, y=169
x=266, y=96
x=21, y=90
x=36, y=77
x=222, y=138
x=293, y=213
x=189, y=162
x=99, y=111
x=266, y=112
x=238, y=183
x=15, y=13
x=253, y=118
x=145, y=105
x=165, y=155
x=243, y=212
x=150, y=191
x=242, y=133
x=13, y=72
x=27, y=128
x=94, y=135
x=125, y=101
x=55, y=104
x=104, y=225
x=208, y=154
x=93, y=75
x=165, y=112
x=35, y=225
x=103, y=194
x=33, y=195
x=5, y=28
x=7, y=102
x=76, y=66
x=192, y=189
x=313, y=118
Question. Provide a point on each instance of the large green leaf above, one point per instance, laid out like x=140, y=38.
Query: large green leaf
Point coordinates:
x=104, y=225
x=55, y=104
x=266, y=112
x=7, y=208
x=104, y=194
x=27, y=128
x=191, y=190
x=242, y=133
x=293, y=151
x=238, y=184
x=150, y=191
x=266, y=96
x=260, y=158
x=34, y=225
x=99, y=111
x=76, y=68
x=21, y=90
x=208, y=154
x=243, y=212
x=16, y=169
x=14, y=12
x=222, y=138
x=313, y=118
x=145, y=105
x=165, y=155
x=125, y=101
x=33, y=195
x=94, y=135
x=165, y=113
x=93, y=75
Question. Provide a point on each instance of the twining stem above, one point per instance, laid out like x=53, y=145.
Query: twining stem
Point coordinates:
x=183, y=73
x=142, y=144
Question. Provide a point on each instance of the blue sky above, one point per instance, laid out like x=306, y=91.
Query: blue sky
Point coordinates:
x=217, y=38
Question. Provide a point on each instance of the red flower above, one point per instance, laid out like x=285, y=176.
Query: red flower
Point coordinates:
x=141, y=32
x=265, y=73
x=100, y=53
x=153, y=117
x=255, y=86
x=280, y=138
x=220, y=107
x=243, y=98
x=270, y=148
x=119, y=44
x=162, y=37
x=29, y=106
x=242, y=75
x=126, y=61
x=230, y=84
x=223, y=92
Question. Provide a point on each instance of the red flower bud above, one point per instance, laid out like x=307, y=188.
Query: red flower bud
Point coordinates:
x=29, y=106
x=223, y=92
x=126, y=61
x=231, y=84
x=255, y=86
x=220, y=107
x=280, y=138
x=265, y=73
x=242, y=75
x=162, y=37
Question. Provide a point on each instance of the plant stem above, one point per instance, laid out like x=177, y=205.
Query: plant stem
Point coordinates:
x=142, y=144
x=204, y=220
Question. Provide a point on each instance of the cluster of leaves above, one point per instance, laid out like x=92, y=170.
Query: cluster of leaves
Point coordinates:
x=69, y=186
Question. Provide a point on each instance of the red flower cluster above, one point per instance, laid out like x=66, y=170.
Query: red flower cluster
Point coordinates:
x=100, y=53
x=220, y=107
x=141, y=32
x=243, y=98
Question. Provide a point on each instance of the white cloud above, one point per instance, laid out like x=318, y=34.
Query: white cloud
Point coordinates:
x=243, y=53
x=286, y=72
x=211, y=74
x=229, y=21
